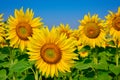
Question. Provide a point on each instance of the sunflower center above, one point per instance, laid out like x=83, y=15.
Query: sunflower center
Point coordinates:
x=50, y=53
x=91, y=30
x=23, y=31
x=116, y=23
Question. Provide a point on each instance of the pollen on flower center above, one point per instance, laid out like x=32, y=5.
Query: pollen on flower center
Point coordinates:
x=92, y=30
x=23, y=31
x=50, y=53
x=116, y=23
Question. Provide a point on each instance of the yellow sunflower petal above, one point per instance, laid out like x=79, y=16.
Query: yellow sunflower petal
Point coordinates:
x=90, y=31
x=21, y=26
x=112, y=24
x=49, y=48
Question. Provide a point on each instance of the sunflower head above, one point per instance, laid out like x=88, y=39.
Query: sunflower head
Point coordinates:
x=64, y=29
x=75, y=34
x=2, y=32
x=91, y=31
x=53, y=52
x=83, y=51
x=21, y=27
x=113, y=24
x=23, y=30
x=50, y=53
x=83, y=54
x=1, y=20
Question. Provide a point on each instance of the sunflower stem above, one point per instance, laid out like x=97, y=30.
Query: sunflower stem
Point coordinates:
x=64, y=77
x=70, y=78
x=95, y=58
x=14, y=77
x=11, y=59
x=93, y=69
x=117, y=54
x=33, y=71
x=36, y=75
x=117, y=59
x=40, y=78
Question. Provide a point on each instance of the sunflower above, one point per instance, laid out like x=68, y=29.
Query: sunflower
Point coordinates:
x=2, y=32
x=83, y=54
x=75, y=35
x=91, y=31
x=113, y=24
x=52, y=52
x=1, y=19
x=64, y=29
x=83, y=51
x=21, y=27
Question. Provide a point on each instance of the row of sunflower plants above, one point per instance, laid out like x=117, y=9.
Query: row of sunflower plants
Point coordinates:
x=29, y=50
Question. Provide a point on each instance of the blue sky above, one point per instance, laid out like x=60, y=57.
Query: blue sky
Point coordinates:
x=55, y=12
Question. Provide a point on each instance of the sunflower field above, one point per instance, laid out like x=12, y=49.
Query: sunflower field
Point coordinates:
x=29, y=50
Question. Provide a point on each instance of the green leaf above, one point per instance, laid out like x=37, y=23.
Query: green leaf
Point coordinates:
x=102, y=64
x=85, y=48
x=84, y=78
x=110, y=51
x=104, y=76
x=5, y=64
x=29, y=77
x=115, y=69
x=102, y=61
x=3, y=56
x=3, y=74
x=20, y=66
x=111, y=43
x=74, y=78
x=81, y=65
x=5, y=50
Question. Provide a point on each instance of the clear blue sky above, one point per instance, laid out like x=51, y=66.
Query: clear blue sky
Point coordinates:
x=55, y=12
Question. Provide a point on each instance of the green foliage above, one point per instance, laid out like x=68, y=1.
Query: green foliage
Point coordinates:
x=14, y=64
x=3, y=56
x=20, y=66
x=3, y=75
x=103, y=76
x=98, y=65
x=115, y=69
